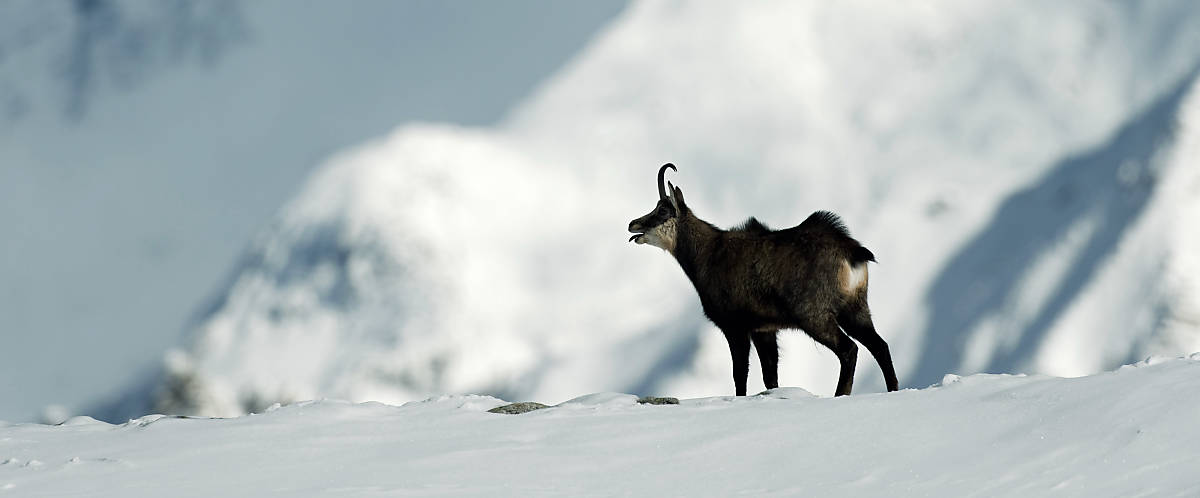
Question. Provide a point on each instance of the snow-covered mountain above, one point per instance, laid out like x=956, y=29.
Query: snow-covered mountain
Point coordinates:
x=144, y=142
x=1024, y=171
x=1131, y=432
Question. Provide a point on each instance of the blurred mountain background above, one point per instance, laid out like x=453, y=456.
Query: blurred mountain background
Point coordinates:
x=143, y=143
x=1024, y=172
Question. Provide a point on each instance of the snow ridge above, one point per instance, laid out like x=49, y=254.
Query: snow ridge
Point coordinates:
x=1127, y=432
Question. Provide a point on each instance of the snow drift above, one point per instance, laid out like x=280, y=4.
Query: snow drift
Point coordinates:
x=1022, y=171
x=1131, y=432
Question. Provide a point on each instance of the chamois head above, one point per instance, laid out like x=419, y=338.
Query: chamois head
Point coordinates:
x=658, y=227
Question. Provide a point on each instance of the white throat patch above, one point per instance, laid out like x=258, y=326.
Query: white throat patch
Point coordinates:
x=662, y=236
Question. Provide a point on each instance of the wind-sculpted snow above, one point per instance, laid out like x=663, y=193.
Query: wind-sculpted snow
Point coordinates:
x=1130, y=432
x=1021, y=170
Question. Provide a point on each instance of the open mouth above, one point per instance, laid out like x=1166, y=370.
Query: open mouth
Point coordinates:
x=635, y=237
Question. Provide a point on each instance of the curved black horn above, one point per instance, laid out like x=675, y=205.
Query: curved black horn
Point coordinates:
x=662, y=191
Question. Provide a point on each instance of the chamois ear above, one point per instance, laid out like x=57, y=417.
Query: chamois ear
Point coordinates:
x=677, y=199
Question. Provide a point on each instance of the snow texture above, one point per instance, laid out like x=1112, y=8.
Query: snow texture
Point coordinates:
x=1130, y=432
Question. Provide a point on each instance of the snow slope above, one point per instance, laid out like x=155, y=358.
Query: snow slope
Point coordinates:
x=1130, y=432
x=1021, y=169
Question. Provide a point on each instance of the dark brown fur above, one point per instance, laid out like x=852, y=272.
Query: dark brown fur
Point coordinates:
x=754, y=281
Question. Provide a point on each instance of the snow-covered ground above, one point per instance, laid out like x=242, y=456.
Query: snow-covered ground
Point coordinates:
x=1131, y=432
x=1022, y=170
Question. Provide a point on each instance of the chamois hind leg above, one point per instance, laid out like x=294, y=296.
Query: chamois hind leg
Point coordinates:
x=767, y=345
x=826, y=332
x=739, y=349
x=857, y=323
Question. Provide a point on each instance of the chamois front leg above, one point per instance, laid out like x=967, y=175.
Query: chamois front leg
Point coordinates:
x=739, y=349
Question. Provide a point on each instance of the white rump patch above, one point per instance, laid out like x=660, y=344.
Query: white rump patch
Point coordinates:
x=853, y=277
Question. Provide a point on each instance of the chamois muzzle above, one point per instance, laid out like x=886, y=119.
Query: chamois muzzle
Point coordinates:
x=637, y=229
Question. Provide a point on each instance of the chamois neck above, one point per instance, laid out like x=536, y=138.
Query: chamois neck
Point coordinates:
x=694, y=238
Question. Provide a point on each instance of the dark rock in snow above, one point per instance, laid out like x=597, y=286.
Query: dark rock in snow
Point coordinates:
x=655, y=400
x=518, y=408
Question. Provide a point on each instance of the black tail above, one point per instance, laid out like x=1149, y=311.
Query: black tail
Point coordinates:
x=860, y=254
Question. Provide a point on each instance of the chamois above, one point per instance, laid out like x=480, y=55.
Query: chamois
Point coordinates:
x=754, y=281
